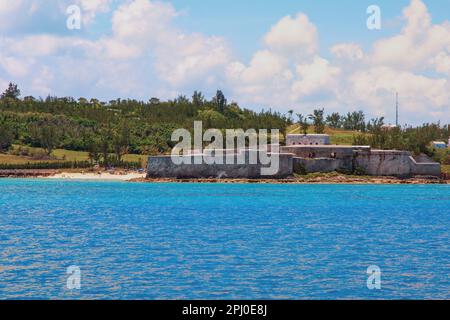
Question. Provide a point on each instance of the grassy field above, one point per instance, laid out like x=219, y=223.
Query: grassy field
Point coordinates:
x=61, y=155
x=337, y=136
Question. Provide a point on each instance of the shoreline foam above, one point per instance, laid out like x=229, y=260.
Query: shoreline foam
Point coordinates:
x=98, y=176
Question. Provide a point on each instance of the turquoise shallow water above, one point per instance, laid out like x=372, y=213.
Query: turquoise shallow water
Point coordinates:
x=211, y=241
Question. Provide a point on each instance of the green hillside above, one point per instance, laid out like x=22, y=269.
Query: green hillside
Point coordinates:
x=65, y=129
x=337, y=136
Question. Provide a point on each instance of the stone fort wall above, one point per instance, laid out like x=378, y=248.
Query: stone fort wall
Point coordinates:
x=321, y=158
x=164, y=167
x=362, y=159
x=394, y=163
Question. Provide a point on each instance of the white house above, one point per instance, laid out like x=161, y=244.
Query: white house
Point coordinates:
x=439, y=144
x=307, y=139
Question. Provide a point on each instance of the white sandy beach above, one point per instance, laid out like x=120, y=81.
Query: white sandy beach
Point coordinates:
x=106, y=176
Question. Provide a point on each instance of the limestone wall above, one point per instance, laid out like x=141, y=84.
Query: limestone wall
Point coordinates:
x=394, y=163
x=425, y=168
x=384, y=163
x=309, y=158
x=164, y=167
x=371, y=162
x=308, y=139
x=320, y=164
x=321, y=151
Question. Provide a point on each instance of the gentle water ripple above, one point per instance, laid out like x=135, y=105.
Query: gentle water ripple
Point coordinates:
x=214, y=241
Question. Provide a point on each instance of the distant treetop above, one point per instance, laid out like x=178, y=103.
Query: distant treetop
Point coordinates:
x=12, y=92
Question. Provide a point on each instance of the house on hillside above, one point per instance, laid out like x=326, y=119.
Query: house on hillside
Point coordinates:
x=439, y=144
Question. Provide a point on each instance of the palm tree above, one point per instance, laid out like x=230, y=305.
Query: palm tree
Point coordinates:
x=318, y=120
x=303, y=123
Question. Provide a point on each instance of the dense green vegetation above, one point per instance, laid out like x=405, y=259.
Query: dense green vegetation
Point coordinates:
x=353, y=128
x=416, y=139
x=119, y=126
x=109, y=131
x=374, y=133
x=446, y=169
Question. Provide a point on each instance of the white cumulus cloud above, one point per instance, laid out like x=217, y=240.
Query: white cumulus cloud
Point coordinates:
x=320, y=75
x=293, y=36
x=417, y=45
x=348, y=51
x=145, y=53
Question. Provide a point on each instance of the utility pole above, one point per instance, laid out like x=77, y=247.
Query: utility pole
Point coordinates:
x=396, y=109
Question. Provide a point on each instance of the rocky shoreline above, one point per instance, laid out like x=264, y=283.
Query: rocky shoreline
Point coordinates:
x=27, y=173
x=310, y=179
x=328, y=178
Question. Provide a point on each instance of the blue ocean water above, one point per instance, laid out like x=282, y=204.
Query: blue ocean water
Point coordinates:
x=221, y=241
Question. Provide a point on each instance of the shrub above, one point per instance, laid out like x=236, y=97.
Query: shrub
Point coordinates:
x=45, y=165
x=65, y=165
x=299, y=168
x=20, y=151
x=40, y=155
x=359, y=171
x=441, y=155
x=343, y=171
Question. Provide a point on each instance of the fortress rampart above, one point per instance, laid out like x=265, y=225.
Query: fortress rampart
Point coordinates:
x=394, y=163
x=296, y=159
x=164, y=166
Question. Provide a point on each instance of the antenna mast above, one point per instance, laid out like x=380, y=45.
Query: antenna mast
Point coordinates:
x=396, y=109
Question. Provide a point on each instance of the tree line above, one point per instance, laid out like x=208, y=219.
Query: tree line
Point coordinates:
x=353, y=121
x=108, y=130
x=376, y=134
x=119, y=126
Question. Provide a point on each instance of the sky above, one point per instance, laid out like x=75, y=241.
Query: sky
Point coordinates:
x=283, y=55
